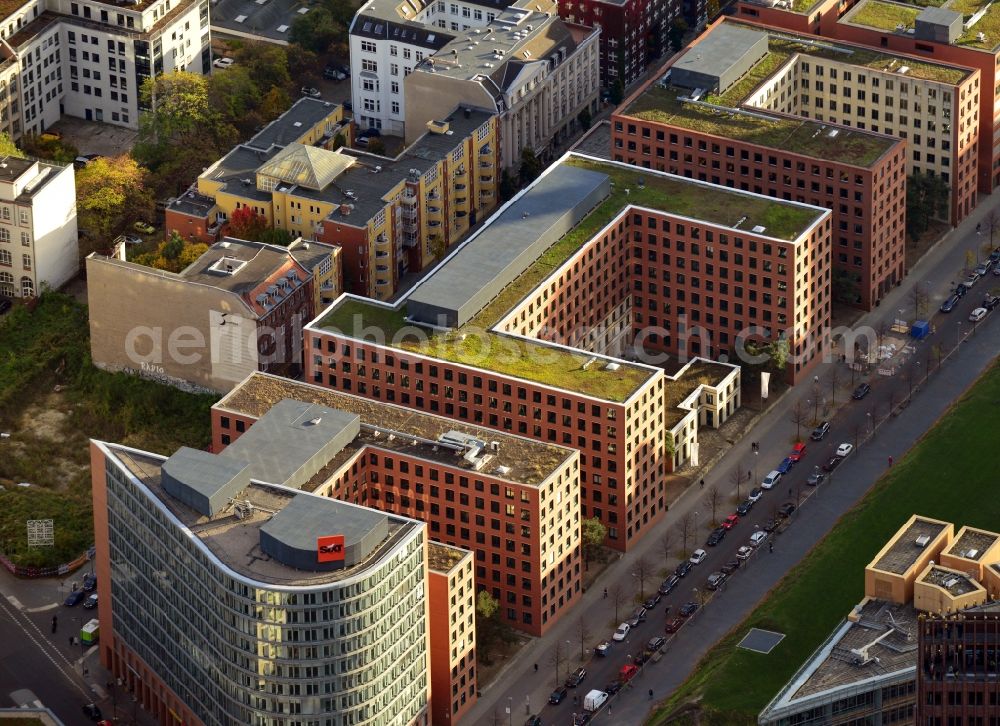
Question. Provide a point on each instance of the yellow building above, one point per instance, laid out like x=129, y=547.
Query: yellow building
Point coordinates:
x=391, y=216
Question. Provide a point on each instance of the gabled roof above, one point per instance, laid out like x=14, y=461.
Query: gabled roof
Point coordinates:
x=306, y=166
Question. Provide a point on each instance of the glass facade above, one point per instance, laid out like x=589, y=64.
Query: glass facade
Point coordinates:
x=350, y=651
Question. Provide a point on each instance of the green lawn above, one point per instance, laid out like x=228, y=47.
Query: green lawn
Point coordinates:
x=885, y=16
x=734, y=685
x=52, y=400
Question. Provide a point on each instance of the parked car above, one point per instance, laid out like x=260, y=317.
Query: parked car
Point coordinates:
x=310, y=92
x=744, y=552
x=816, y=478
x=976, y=315
x=557, y=696
x=143, y=227
x=91, y=602
x=832, y=463
x=960, y=290
x=74, y=598
x=627, y=672
x=613, y=688
x=772, y=524
x=638, y=617
x=786, y=465
x=655, y=643
x=718, y=534
x=683, y=568
x=754, y=495
x=669, y=584
x=991, y=301
x=757, y=537
x=698, y=556
x=223, y=62
x=786, y=509
x=652, y=600
x=844, y=450
x=92, y=712
x=948, y=305
x=131, y=239
x=622, y=632
x=582, y=718
x=332, y=73
x=770, y=480
x=688, y=609
x=575, y=678
x=89, y=581
x=533, y=720
x=715, y=580
x=861, y=391
x=798, y=451
x=602, y=648
x=730, y=567
x=983, y=267
x=673, y=625
x=731, y=521
x=744, y=507
x=820, y=431
x=971, y=280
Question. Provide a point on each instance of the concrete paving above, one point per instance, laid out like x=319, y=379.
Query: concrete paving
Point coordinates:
x=936, y=272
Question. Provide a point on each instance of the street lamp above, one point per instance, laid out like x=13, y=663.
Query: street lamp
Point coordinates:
x=871, y=422
x=509, y=709
x=959, y=343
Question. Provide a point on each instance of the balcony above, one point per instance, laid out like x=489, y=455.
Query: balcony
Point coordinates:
x=381, y=254
x=408, y=199
x=433, y=223
x=485, y=164
x=460, y=187
x=410, y=240
x=433, y=196
x=434, y=210
x=485, y=149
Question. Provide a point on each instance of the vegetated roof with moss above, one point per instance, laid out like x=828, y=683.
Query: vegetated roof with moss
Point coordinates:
x=804, y=6
x=699, y=373
x=800, y=136
x=476, y=345
x=885, y=15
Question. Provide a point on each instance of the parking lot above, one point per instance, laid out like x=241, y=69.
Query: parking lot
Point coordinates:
x=90, y=137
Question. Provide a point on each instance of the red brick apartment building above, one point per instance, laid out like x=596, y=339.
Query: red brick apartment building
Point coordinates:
x=633, y=33
x=516, y=504
x=634, y=262
x=927, y=33
x=806, y=122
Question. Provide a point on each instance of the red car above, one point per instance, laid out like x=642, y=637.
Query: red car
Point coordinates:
x=627, y=673
x=674, y=624
x=797, y=451
x=730, y=521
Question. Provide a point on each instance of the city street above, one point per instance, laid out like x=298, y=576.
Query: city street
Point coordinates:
x=937, y=273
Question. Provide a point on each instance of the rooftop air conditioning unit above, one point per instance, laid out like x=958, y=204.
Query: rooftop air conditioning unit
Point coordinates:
x=950, y=583
x=922, y=541
x=972, y=554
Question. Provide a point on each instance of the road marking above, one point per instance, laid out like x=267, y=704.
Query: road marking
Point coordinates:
x=41, y=609
x=15, y=602
x=91, y=650
x=46, y=648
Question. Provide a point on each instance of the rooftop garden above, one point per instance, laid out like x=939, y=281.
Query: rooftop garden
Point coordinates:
x=885, y=16
x=475, y=345
x=988, y=25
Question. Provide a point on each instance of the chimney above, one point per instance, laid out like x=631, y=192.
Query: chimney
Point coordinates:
x=345, y=209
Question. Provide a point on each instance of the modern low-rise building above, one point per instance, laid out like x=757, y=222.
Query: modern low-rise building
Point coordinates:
x=390, y=216
x=89, y=58
x=226, y=598
x=512, y=501
x=822, y=122
x=38, y=235
x=897, y=657
x=539, y=324
x=238, y=308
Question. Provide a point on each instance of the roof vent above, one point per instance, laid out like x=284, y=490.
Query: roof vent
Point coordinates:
x=922, y=540
x=315, y=421
x=971, y=554
x=612, y=366
x=950, y=583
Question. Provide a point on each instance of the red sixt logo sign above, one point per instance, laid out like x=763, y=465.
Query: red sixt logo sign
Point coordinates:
x=330, y=548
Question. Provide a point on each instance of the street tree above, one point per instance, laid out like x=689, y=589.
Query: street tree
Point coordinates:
x=593, y=533
x=926, y=199
x=686, y=525
x=714, y=500
x=618, y=597
x=736, y=478
x=799, y=415
x=486, y=625
x=583, y=635
x=8, y=147
x=643, y=571
x=667, y=545
x=245, y=223
x=556, y=658
x=834, y=378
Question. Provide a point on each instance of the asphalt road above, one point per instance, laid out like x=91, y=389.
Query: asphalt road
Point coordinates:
x=820, y=509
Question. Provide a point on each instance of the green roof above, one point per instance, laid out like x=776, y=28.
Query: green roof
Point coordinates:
x=884, y=15
x=475, y=345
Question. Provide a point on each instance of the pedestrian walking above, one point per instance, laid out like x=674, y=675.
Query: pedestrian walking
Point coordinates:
x=55, y=623
x=702, y=483
x=86, y=671
x=650, y=694
x=536, y=668
x=71, y=641
x=770, y=546
x=890, y=461
x=605, y=593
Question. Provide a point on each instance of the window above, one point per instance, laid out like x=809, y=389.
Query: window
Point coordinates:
x=369, y=47
x=369, y=65
x=25, y=239
x=5, y=258
x=26, y=262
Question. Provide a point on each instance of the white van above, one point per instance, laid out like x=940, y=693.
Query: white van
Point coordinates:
x=594, y=700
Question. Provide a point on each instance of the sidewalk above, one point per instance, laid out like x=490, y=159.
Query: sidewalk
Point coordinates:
x=935, y=271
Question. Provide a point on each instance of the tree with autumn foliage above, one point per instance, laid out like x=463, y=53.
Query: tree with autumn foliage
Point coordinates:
x=173, y=254
x=245, y=223
x=111, y=194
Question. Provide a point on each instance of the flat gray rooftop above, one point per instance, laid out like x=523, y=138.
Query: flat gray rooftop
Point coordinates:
x=289, y=126
x=251, y=16
x=292, y=441
x=904, y=551
x=723, y=48
x=475, y=274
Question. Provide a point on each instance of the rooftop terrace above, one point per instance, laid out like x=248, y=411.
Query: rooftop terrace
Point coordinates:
x=954, y=582
x=904, y=550
x=526, y=461
x=442, y=558
x=236, y=540
x=475, y=344
x=886, y=16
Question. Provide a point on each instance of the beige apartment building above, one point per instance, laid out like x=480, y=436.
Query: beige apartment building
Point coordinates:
x=934, y=107
x=38, y=246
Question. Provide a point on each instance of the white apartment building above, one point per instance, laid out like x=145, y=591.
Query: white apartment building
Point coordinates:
x=89, y=59
x=38, y=245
